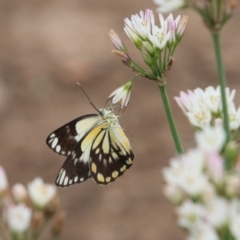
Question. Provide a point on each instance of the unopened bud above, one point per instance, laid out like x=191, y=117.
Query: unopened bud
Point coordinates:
x=37, y=220
x=51, y=207
x=58, y=224
x=20, y=193
x=124, y=57
x=147, y=59
x=116, y=41
x=231, y=152
x=149, y=48
x=232, y=185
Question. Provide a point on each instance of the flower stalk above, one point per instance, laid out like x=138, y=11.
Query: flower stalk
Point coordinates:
x=170, y=119
x=222, y=82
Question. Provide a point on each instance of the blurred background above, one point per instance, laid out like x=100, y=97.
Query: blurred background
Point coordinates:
x=45, y=48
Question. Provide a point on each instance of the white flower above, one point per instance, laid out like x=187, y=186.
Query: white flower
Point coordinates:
x=213, y=98
x=203, y=231
x=121, y=94
x=200, y=116
x=193, y=105
x=40, y=193
x=186, y=172
x=18, y=218
x=142, y=28
x=215, y=167
x=3, y=180
x=159, y=37
x=211, y=138
x=232, y=185
x=169, y=5
x=140, y=24
x=233, y=116
x=217, y=212
x=19, y=192
x=173, y=193
x=201, y=107
x=190, y=214
x=234, y=224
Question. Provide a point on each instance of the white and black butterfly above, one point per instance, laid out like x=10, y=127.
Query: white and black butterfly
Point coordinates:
x=95, y=146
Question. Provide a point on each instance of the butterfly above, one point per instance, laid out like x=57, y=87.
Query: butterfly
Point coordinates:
x=95, y=146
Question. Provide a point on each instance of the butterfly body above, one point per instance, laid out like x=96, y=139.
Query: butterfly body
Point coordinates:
x=95, y=146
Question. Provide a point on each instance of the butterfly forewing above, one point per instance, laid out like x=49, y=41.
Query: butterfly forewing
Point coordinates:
x=110, y=156
x=64, y=140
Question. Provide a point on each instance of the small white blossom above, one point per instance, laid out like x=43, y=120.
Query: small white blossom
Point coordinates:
x=173, y=193
x=141, y=24
x=3, y=180
x=19, y=192
x=234, y=224
x=232, y=185
x=121, y=94
x=201, y=107
x=233, y=116
x=203, y=231
x=211, y=138
x=159, y=37
x=18, y=218
x=215, y=167
x=186, y=172
x=40, y=193
x=169, y=5
x=190, y=214
x=218, y=212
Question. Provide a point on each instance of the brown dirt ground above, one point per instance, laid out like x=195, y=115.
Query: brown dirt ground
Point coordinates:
x=45, y=47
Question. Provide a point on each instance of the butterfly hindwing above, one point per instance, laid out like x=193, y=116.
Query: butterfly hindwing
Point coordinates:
x=110, y=156
x=74, y=169
x=64, y=140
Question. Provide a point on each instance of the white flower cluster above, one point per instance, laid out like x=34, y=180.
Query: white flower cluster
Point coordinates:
x=141, y=29
x=204, y=108
x=206, y=195
x=207, y=9
x=20, y=205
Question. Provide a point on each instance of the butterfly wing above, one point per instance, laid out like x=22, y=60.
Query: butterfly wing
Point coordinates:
x=111, y=155
x=64, y=140
x=75, y=169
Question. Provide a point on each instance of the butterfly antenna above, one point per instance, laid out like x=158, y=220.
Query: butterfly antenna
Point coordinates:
x=87, y=96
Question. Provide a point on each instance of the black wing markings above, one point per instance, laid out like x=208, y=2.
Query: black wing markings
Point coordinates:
x=64, y=140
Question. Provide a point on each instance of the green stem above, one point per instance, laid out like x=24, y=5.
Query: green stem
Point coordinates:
x=222, y=82
x=171, y=121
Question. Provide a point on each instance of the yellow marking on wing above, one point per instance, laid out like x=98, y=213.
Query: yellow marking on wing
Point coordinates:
x=115, y=174
x=100, y=177
x=129, y=161
x=105, y=145
x=105, y=162
x=123, y=168
x=85, y=124
x=119, y=140
x=108, y=179
x=98, y=139
x=115, y=156
x=94, y=168
x=90, y=137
